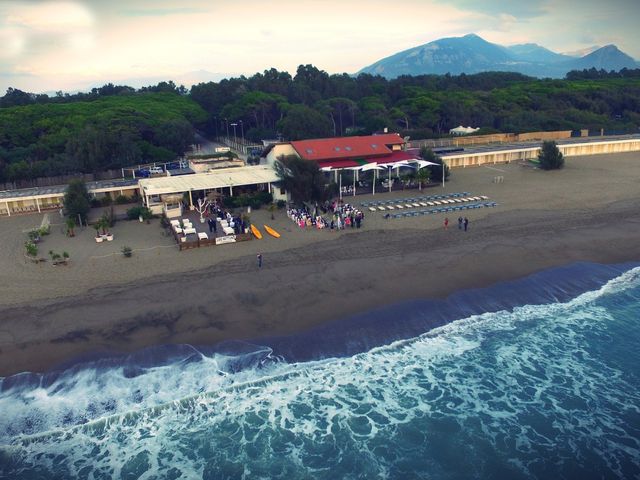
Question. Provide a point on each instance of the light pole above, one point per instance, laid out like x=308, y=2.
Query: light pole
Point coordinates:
x=242, y=131
x=226, y=120
x=235, y=137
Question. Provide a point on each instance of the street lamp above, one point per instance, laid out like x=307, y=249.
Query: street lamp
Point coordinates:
x=242, y=130
x=226, y=120
x=235, y=137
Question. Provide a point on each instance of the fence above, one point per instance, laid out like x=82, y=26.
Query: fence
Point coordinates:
x=61, y=180
x=492, y=138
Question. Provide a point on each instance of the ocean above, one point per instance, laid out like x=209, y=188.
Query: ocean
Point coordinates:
x=537, y=378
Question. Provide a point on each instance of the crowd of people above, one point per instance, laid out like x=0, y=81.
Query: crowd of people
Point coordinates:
x=334, y=215
x=236, y=222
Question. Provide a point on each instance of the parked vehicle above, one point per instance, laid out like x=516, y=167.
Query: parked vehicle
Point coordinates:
x=177, y=165
x=156, y=170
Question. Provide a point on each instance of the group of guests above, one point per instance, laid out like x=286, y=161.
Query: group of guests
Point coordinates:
x=340, y=216
x=235, y=222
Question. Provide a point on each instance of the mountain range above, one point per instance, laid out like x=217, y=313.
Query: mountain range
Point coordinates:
x=472, y=54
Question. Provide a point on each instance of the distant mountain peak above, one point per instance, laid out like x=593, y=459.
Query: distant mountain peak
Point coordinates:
x=473, y=54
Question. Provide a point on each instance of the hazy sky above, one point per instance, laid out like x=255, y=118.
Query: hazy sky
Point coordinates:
x=69, y=45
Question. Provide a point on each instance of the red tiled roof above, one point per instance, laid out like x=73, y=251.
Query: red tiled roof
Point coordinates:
x=346, y=163
x=346, y=147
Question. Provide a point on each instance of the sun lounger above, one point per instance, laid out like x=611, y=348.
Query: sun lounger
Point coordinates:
x=372, y=209
x=187, y=231
x=484, y=197
x=400, y=206
x=390, y=207
x=175, y=223
x=203, y=236
x=381, y=208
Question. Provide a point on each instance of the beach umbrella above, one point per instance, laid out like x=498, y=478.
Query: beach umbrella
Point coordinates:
x=396, y=165
x=424, y=163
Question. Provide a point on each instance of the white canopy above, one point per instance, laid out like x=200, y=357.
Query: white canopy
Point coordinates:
x=371, y=166
x=425, y=163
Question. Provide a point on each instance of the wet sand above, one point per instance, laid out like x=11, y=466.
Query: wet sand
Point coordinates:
x=107, y=303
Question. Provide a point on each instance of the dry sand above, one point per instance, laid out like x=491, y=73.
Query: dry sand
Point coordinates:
x=102, y=301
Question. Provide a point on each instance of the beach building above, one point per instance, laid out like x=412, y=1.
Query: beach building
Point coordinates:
x=164, y=194
x=522, y=151
x=343, y=152
x=38, y=199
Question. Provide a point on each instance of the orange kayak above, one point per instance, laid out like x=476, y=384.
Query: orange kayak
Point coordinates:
x=271, y=231
x=256, y=232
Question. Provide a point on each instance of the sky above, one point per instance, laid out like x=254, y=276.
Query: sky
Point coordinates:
x=68, y=45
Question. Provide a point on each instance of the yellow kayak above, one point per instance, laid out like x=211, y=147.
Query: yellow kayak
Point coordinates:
x=256, y=232
x=271, y=231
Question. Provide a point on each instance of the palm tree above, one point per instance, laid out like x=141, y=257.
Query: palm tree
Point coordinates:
x=423, y=175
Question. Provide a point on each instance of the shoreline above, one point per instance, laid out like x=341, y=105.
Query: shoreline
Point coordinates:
x=300, y=289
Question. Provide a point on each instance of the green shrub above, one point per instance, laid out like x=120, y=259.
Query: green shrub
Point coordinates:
x=122, y=200
x=139, y=211
x=281, y=204
x=106, y=201
x=126, y=251
x=42, y=231
x=32, y=249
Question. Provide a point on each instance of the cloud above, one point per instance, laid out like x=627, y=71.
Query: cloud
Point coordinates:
x=518, y=9
x=159, y=12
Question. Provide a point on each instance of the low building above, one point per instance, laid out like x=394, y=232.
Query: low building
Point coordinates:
x=162, y=194
x=343, y=152
x=38, y=199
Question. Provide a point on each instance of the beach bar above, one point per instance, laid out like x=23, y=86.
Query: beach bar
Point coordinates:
x=158, y=194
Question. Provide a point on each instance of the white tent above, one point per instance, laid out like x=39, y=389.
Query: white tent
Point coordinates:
x=462, y=130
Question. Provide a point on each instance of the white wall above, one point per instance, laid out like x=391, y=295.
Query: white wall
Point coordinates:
x=282, y=149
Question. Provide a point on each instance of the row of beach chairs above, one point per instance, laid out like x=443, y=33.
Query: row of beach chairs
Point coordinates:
x=426, y=198
x=393, y=205
x=441, y=210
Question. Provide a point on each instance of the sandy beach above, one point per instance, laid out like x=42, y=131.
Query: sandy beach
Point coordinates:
x=103, y=302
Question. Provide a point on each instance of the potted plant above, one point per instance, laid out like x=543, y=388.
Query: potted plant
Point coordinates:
x=65, y=257
x=71, y=225
x=98, y=236
x=32, y=249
